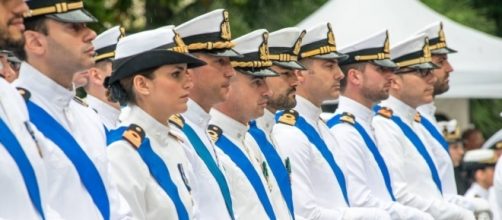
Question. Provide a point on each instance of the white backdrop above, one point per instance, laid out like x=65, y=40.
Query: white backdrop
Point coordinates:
x=478, y=65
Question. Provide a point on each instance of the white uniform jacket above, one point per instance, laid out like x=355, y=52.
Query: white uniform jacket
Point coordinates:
x=134, y=180
x=366, y=184
x=108, y=115
x=412, y=178
x=67, y=194
x=316, y=191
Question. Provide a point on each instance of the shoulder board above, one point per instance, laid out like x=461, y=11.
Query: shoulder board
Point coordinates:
x=177, y=120
x=214, y=132
x=348, y=118
x=385, y=112
x=24, y=93
x=175, y=136
x=418, y=117
x=135, y=135
x=80, y=101
x=289, y=117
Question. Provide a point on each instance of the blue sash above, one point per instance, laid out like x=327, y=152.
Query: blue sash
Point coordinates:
x=205, y=155
x=158, y=170
x=419, y=145
x=275, y=162
x=11, y=144
x=434, y=132
x=89, y=175
x=248, y=169
x=374, y=151
x=316, y=139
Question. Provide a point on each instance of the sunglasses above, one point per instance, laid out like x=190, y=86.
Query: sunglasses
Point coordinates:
x=421, y=72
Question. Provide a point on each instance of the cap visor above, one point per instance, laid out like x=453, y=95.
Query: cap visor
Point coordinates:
x=129, y=66
x=332, y=55
x=290, y=65
x=75, y=16
x=445, y=50
x=386, y=63
x=427, y=65
x=265, y=72
x=225, y=53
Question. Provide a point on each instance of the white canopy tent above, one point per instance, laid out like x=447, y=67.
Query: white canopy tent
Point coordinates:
x=478, y=65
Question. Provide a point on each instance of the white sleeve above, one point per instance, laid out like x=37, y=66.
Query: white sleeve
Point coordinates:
x=295, y=146
x=127, y=170
x=389, y=143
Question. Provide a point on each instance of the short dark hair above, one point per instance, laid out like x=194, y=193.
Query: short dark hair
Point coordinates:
x=467, y=133
x=345, y=69
x=122, y=91
x=37, y=24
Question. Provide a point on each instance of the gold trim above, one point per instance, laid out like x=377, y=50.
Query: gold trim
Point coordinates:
x=319, y=51
x=282, y=57
x=298, y=43
x=104, y=56
x=211, y=45
x=331, y=35
x=249, y=64
x=264, y=52
x=414, y=61
x=225, y=27
x=180, y=45
x=57, y=8
x=378, y=56
x=437, y=46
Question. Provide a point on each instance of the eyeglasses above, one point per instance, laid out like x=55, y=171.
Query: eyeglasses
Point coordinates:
x=421, y=72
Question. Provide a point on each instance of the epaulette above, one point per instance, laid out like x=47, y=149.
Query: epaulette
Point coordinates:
x=385, y=112
x=80, y=101
x=418, y=117
x=177, y=137
x=24, y=93
x=177, y=120
x=134, y=135
x=348, y=118
x=214, y=132
x=289, y=117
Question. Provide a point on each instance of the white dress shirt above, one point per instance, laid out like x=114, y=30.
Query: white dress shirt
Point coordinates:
x=67, y=194
x=316, y=192
x=366, y=184
x=206, y=191
x=134, y=180
x=477, y=191
x=108, y=114
x=15, y=201
x=244, y=198
x=412, y=178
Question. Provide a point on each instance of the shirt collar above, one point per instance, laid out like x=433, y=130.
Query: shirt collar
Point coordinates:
x=103, y=108
x=266, y=122
x=428, y=110
x=196, y=114
x=232, y=128
x=153, y=128
x=399, y=108
x=307, y=109
x=42, y=86
x=361, y=112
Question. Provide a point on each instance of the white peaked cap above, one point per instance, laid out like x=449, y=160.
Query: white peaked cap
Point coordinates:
x=284, y=47
x=106, y=42
x=254, y=48
x=319, y=42
x=437, y=38
x=413, y=52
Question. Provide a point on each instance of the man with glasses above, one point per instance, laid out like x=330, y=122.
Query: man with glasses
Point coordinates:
x=413, y=171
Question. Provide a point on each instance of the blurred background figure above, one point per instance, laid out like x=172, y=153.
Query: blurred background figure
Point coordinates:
x=9, y=66
x=451, y=132
x=494, y=143
x=480, y=165
x=472, y=138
